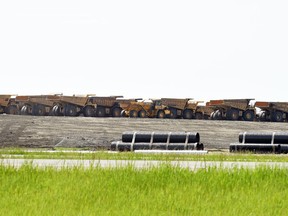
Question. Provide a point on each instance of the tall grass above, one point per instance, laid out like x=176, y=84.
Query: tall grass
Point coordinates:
x=129, y=191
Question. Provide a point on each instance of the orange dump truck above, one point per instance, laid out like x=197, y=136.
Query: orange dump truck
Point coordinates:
x=67, y=105
x=203, y=111
x=232, y=109
x=103, y=106
x=37, y=105
x=272, y=111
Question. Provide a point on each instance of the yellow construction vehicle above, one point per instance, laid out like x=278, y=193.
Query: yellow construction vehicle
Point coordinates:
x=8, y=105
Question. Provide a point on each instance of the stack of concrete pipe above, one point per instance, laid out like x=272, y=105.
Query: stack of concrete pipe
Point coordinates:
x=158, y=141
x=274, y=142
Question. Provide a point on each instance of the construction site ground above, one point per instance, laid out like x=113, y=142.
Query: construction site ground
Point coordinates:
x=98, y=133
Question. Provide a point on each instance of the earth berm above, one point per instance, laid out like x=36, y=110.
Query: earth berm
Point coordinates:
x=98, y=133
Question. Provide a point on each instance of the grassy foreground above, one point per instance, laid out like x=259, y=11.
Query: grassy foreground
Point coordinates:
x=155, y=191
x=104, y=155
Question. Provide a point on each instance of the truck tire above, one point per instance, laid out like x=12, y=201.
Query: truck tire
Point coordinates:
x=100, y=111
x=199, y=115
x=12, y=110
x=187, y=114
x=56, y=111
x=212, y=115
x=116, y=112
x=123, y=113
x=161, y=114
x=133, y=114
x=248, y=115
x=70, y=110
x=88, y=111
x=277, y=116
x=232, y=114
x=263, y=116
x=24, y=110
x=142, y=114
x=217, y=115
x=173, y=113
x=38, y=110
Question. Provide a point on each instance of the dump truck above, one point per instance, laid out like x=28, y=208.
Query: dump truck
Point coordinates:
x=37, y=105
x=150, y=108
x=175, y=107
x=159, y=108
x=131, y=106
x=232, y=109
x=203, y=110
x=8, y=105
x=102, y=106
x=68, y=105
x=272, y=111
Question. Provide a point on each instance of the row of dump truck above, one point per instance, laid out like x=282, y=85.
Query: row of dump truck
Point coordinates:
x=118, y=106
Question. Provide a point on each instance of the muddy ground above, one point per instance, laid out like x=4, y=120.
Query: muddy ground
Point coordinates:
x=95, y=133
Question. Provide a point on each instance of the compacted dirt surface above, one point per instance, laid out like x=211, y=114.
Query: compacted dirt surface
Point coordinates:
x=98, y=133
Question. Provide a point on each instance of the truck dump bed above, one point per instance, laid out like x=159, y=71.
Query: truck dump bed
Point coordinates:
x=76, y=100
x=192, y=104
x=104, y=101
x=35, y=99
x=282, y=106
x=241, y=104
x=125, y=103
x=175, y=102
x=4, y=100
x=205, y=108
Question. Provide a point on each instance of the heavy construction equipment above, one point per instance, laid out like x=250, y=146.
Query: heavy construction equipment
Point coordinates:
x=36, y=105
x=8, y=105
x=102, y=106
x=68, y=105
x=203, y=110
x=137, y=107
x=272, y=111
x=178, y=107
x=159, y=108
x=232, y=109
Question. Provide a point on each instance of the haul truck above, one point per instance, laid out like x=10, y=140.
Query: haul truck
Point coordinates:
x=272, y=111
x=232, y=109
x=68, y=105
x=8, y=105
x=175, y=107
x=151, y=108
x=130, y=106
x=159, y=108
x=37, y=105
x=102, y=106
x=203, y=111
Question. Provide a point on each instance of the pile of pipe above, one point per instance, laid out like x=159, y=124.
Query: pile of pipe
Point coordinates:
x=158, y=141
x=274, y=142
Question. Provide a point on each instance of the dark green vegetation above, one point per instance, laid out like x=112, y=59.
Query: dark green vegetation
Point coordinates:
x=155, y=191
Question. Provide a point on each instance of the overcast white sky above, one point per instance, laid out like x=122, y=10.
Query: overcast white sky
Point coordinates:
x=199, y=49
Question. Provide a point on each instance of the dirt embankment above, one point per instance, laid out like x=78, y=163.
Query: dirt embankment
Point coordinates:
x=94, y=133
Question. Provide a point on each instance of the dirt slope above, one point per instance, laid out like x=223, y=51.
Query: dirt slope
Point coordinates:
x=48, y=132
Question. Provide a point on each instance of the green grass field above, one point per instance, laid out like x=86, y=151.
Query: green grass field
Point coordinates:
x=98, y=155
x=155, y=191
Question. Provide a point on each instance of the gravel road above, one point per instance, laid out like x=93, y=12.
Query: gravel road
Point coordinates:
x=95, y=133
